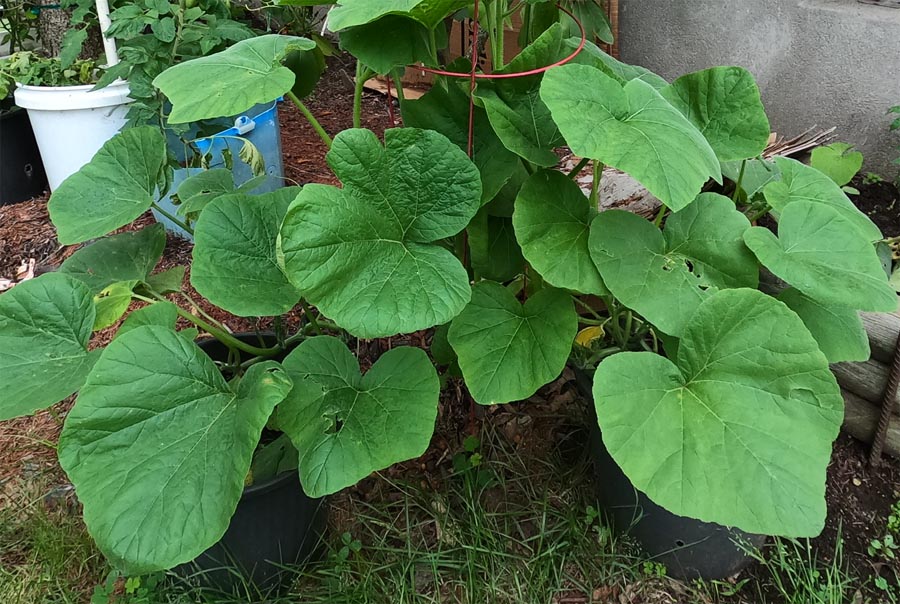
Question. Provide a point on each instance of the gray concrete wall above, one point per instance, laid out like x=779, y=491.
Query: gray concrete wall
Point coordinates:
x=818, y=62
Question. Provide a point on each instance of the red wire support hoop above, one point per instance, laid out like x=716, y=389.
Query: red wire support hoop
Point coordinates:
x=505, y=76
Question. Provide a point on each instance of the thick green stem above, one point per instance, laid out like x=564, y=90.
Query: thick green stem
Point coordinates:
x=362, y=76
x=578, y=168
x=497, y=33
x=740, y=182
x=311, y=119
x=432, y=47
x=175, y=220
x=659, y=217
x=220, y=334
x=595, y=184
x=307, y=312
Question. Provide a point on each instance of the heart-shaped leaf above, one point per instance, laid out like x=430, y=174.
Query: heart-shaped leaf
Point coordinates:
x=622, y=72
x=839, y=331
x=514, y=106
x=234, y=80
x=112, y=302
x=725, y=105
x=838, y=161
x=738, y=429
x=346, y=425
x=446, y=109
x=799, y=182
x=45, y=327
x=124, y=257
x=495, y=253
x=162, y=314
x=508, y=350
x=350, y=13
x=113, y=189
x=552, y=221
x=198, y=190
x=158, y=446
x=665, y=276
x=632, y=128
x=235, y=254
x=365, y=254
x=410, y=43
x=823, y=254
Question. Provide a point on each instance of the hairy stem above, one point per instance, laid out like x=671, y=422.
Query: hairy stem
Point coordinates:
x=311, y=119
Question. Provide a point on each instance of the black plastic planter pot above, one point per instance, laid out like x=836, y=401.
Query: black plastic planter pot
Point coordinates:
x=21, y=171
x=689, y=548
x=275, y=524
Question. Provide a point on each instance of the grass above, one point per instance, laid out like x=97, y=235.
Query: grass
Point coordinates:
x=46, y=555
x=494, y=524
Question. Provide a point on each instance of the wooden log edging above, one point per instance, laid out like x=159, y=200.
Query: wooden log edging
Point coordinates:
x=864, y=384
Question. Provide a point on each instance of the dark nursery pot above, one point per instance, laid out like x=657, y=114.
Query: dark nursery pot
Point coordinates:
x=689, y=548
x=21, y=170
x=275, y=523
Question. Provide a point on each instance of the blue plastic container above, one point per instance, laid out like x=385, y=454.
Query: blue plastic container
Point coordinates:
x=260, y=126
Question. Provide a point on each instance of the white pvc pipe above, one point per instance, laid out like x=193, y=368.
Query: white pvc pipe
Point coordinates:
x=109, y=45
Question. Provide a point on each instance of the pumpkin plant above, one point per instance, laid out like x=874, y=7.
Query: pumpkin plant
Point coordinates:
x=714, y=397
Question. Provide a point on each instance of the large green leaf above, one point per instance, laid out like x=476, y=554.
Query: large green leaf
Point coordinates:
x=350, y=13
x=346, y=425
x=45, y=327
x=552, y=221
x=622, y=72
x=632, y=128
x=838, y=161
x=799, y=182
x=365, y=254
x=495, y=253
x=113, y=189
x=508, y=350
x=666, y=276
x=839, y=331
x=410, y=43
x=234, y=80
x=738, y=429
x=822, y=254
x=158, y=446
x=514, y=106
x=446, y=109
x=162, y=314
x=724, y=103
x=128, y=256
x=235, y=254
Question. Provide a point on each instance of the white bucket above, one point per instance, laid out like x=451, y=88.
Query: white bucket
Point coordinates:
x=71, y=123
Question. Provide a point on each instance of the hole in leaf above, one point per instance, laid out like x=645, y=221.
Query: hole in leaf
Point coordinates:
x=335, y=423
x=679, y=543
x=689, y=265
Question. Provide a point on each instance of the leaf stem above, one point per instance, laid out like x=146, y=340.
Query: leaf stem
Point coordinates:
x=362, y=76
x=578, y=168
x=307, y=312
x=659, y=217
x=311, y=119
x=220, y=334
x=740, y=182
x=595, y=184
x=176, y=221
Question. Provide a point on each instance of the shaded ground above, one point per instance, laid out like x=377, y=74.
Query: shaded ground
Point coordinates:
x=880, y=201
x=517, y=526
